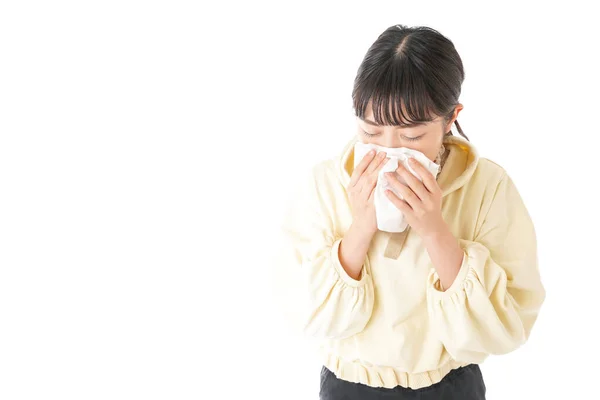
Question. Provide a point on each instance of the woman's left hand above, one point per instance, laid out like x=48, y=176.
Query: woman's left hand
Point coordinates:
x=422, y=204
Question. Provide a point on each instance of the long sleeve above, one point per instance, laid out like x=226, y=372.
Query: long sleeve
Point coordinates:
x=491, y=306
x=315, y=288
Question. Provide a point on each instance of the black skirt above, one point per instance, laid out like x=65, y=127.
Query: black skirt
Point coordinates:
x=464, y=383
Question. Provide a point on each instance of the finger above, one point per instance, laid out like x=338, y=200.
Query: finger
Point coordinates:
x=376, y=163
x=409, y=196
x=370, y=177
x=429, y=180
x=383, y=162
x=413, y=183
x=401, y=205
x=373, y=180
x=361, y=167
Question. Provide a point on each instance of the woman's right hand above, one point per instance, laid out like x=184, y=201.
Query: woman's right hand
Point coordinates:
x=361, y=191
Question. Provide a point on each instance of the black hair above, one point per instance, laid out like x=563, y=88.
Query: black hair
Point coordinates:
x=412, y=66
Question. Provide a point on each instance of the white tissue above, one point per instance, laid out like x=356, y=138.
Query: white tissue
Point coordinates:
x=389, y=218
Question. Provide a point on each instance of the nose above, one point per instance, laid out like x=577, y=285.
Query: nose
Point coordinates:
x=389, y=138
x=390, y=141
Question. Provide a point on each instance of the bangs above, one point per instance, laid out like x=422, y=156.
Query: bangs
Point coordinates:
x=397, y=92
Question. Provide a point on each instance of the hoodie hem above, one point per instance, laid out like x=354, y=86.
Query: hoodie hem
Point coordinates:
x=386, y=376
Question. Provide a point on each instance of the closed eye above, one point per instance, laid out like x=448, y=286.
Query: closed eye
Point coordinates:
x=409, y=139
x=367, y=134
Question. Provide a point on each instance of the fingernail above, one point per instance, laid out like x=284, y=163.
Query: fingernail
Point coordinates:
x=371, y=152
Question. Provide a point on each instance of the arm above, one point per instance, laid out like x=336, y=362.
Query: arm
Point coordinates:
x=446, y=254
x=494, y=300
x=325, y=297
x=353, y=250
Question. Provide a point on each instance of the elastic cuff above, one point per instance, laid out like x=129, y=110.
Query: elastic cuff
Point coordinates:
x=435, y=284
x=335, y=261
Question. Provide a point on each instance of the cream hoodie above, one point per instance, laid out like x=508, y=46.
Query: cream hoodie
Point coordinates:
x=394, y=326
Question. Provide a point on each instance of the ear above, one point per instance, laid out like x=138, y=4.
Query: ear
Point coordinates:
x=457, y=110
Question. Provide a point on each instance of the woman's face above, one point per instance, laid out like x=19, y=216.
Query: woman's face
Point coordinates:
x=425, y=137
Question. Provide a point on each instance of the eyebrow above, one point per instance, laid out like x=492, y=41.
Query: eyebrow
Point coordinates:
x=401, y=126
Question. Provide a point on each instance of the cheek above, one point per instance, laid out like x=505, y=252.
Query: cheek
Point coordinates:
x=377, y=140
x=362, y=137
x=430, y=150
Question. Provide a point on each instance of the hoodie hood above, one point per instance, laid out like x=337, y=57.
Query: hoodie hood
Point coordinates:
x=459, y=166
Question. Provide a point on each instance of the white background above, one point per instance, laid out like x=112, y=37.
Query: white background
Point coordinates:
x=147, y=149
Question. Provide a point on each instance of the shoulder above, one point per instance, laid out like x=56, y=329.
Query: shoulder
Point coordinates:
x=487, y=180
x=499, y=187
x=314, y=182
x=489, y=174
x=490, y=170
x=323, y=173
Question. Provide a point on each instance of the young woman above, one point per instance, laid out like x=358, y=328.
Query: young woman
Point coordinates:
x=410, y=314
